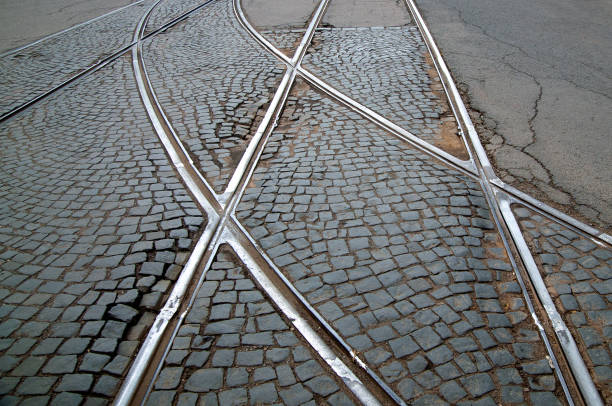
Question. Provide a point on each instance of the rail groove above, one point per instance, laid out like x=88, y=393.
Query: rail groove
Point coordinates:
x=98, y=65
x=478, y=166
x=223, y=227
x=219, y=208
x=500, y=202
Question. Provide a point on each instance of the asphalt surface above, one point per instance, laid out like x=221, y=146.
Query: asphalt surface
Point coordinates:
x=381, y=247
x=539, y=79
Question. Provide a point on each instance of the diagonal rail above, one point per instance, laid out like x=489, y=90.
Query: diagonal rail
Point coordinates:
x=500, y=202
x=219, y=209
x=480, y=166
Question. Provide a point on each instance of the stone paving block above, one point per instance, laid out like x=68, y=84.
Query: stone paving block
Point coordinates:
x=576, y=272
x=55, y=60
x=413, y=101
x=215, y=136
x=262, y=360
x=36, y=385
x=400, y=313
x=114, y=173
x=75, y=383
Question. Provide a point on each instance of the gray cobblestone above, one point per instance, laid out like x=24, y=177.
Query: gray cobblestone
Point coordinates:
x=261, y=361
x=577, y=273
x=400, y=312
x=412, y=99
x=64, y=290
x=286, y=40
x=213, y=40
x=36, y=69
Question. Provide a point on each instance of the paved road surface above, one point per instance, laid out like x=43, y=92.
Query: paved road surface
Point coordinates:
x=346, y=237
x=540, y=75
x=24, y=21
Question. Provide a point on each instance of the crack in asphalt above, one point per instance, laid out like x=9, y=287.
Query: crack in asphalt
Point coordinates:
x=483, y=117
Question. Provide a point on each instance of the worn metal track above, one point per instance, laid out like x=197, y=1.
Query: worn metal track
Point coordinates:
x=495, y=190
x=100, y=64
x=224, y=227
x=219, y=209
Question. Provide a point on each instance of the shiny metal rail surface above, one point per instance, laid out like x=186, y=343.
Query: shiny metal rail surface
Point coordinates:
x=216, y=231
x=500, y=200
x=224, y=227
x=467, y=126
x=96, y=66
x=467, y=166
x=485, y=172
x=184, y=167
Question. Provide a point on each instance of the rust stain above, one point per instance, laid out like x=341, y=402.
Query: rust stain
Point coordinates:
x=448, y=138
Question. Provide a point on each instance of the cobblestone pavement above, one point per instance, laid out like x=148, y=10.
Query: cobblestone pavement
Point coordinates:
x=578, y=275
x=37, y=69
x=94, y=229
x=386, y=69
x=284, y=28
x=285, y=40
x=235, y=347
x=168, y=10
x=395, y=251
x=399, y=254
x=214, y=83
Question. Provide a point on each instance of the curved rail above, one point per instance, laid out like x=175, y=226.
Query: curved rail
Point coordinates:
x=295, y=64
x=483, y=170
x=201, y=191
x=501, y=203
x=216, y=231
x=96, y=66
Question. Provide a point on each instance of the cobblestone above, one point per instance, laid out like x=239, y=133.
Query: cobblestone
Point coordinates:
x=397, y=252
x=234, y=368
x=76, y=170
x=167, y=10
x=286, y=40
x=386, y=307
x=37, y=69
x=371, y=66
x=578, y=275
x=213, y=109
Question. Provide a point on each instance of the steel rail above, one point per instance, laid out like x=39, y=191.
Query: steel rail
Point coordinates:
x=149, y=348
x=484, y=171
x=295, y=67
x=465, y=121
x=50, y=36
x=93, y=68
x=463, y=165
x=246, y=24
x=566, y=340
x=286, y=84
x=197, y=186
x=466, y=166
x=217, y=228
x=497, y=212
x=551, y=212
x=330, y=330
x=500, y=203
x=210, y=255
x=354, y=384
x=247, y=157
x=236, y=189
x=97, y=66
